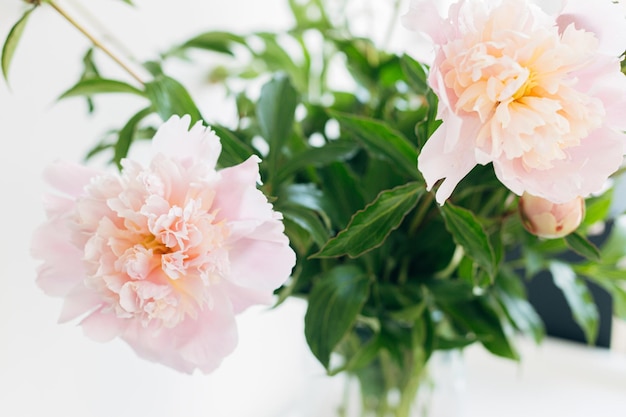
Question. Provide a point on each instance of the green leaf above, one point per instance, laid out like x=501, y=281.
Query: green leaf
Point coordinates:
x=597, y=209
x=127, y=134
x=307, y=220
x=305, y=195
x=276, y=59
x=12, y=40
x=169, y=98
x=336, y=151
x=415, y=74
x=383, y=142
x=275, y=112
x=344, y=189
x=511, y=294
x=369, y=227
x=234, y=150
x=611, y=279
x=334, y=304
x=583, y=247
x=363, y=356
x=216, y=41
x=578, y=298
x=469, y=233
x=614, y=248
x=93, y=86
x=483, y=322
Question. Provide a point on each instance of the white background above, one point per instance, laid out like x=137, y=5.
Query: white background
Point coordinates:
x=48, y=369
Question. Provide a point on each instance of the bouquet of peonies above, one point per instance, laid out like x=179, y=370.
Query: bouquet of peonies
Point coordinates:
x=407, y=203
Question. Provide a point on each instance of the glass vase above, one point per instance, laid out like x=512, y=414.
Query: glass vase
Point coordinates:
x=436, y=391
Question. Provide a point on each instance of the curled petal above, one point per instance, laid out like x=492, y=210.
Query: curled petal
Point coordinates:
x=437, y=161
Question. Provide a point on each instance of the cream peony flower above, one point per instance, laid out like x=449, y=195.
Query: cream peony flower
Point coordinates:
x=537, y=92
x=163, y=256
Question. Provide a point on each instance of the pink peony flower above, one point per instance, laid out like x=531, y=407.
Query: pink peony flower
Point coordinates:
x=163, y=256
x=546, y=219
x=537, y=92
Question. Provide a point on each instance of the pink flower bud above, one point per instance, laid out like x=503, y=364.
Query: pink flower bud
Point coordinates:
x=546, y=219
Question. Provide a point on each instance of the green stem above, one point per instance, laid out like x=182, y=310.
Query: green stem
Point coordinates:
x=95, y=41
x=424, y=205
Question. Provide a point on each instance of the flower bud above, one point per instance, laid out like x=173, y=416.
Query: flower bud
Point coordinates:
x=550, y=220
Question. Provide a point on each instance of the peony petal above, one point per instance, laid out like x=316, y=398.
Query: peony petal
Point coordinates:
x=176, y=140
x=584, y=171
x=242, y=298
x=195, y=343
x=262, y=264
x=62, y=269
x=437, y=160
x=602, y=79
x=425, y=16
x=69, y=178
x=103, y=326
x=237, y=197
x=79, y=301
x=607, y=20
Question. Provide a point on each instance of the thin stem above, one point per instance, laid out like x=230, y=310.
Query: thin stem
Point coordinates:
x=421, y=212
x=392, y=23
x=409, y=395
x=95, y=41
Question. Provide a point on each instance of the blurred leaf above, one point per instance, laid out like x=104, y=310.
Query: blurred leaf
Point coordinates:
x=234, y=150
x=309, y=14
x=582, y=246
x=578, y=298
x=169, y=98
x=415, y=74
x=91, y=86
x=340, y=183
x=369, y=227
x=275, y=112
x=612, y=279
x=98, y=148
x=12, y=40
x=334, y=304
x=216, y=41
x=307, y=220
x=614, y=249
x=90, y=70
x=598, y=208
x=425, y=129
x=382, y=141
x=449, y=291
x=482, y=321
x=305, y=195
x=276, y=59
x=390, y=72
x=336, y=151
x=127, y=134
x=363, y=356
x=511, y=294
x=469, y=233
x=362, y=59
